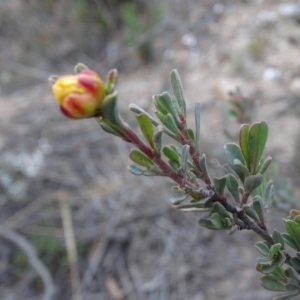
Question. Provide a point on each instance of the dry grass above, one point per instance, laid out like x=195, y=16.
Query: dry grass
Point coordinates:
x=130, y=244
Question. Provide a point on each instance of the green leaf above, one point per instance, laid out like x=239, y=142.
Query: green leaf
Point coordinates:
x=244, y=142
x=140, y=158
x=108, y=129
x=294, y=213
x=291, y=273
x=206, y=223
x=197, y=124
x=150, y=172
x=295, y=261
x=160, y=116
x=293, y=230
x=272, y=284
x=251, y=213
x=239, y=166
x=266, y=261
x=138, y=110
x=292, y=285
x=252, y=182
x=262, y=248
x=260, y=190
x=178, y=90
x=232, y=152
x=158, y=139
x=175, y=165
x=288, y=240
x=110, y=113
x=220, y=184
x=205, y=202
x=297, y=220
x=111, y=80
x=265, y=165
x=160, y=105
x=273, y=265
x=216, y=221
x=241, y=190
x=179, y=152
x=258, y=135
x=184, y=158
x=166, y=100
x=79, y=68
x=170, y=123
x=233, y=229
x=135, y=170
x=191, y=134
x=176, y=149
x=274, y=250
x=258, y=207
x=277, y=238
x=202, y=163
x=170, y=154
x=279, y=275
x=220, y=209
x=146, y=127
x=179, y=200
x=233, y=187
x=286, y=296
x=192, y=207
x=269, y=193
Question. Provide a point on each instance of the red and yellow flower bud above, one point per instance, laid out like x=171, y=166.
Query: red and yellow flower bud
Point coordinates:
x=79, y=96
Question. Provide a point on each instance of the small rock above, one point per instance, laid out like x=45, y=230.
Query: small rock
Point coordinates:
x=218, y=8
x=289, y=10
x=188, y=40
x=272, y=74
x=295, y=86
x=266, y=17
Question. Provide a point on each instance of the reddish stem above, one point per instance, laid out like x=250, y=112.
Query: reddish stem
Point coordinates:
x=185, y=139
x=132, y=137
x=244, y=199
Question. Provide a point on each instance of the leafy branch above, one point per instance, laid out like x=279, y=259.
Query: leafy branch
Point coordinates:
x=234, y=202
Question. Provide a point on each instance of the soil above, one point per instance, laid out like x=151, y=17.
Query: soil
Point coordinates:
x=131, y=244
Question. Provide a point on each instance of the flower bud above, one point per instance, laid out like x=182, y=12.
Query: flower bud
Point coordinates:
x=79, y=96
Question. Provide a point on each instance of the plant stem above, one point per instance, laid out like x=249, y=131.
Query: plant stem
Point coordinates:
x=244, y=198
x=133, y=138
x=243, y=217
x=250, y=225
x=186, y=140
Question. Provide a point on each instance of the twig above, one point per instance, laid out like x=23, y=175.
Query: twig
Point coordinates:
x=33, y=259
x=70, y=244
x=243, y=217
x=14, y=220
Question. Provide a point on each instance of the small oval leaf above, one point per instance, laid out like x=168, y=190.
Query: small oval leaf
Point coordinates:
x=197, y=124
x=233, y=187
x=178, y=90
x=170, y=123
x=277, y=238
x=140, y=158
x=258, y=207
x=244, y=142
x=293, y=230
x=232, y=152
x=252, y=182
x=146, y=127
x=220, y=184
x=272, y=284
x=258, y=135
x=262, y=248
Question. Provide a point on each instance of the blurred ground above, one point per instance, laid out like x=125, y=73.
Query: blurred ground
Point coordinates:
x=131, y=244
